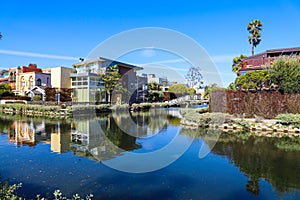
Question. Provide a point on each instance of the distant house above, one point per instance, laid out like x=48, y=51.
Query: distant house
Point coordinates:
x=264, y=60
x=23, y=78
x=87, y=84
x=37, y=91
x=60, y=76
x=3, y=76
x=159, y=80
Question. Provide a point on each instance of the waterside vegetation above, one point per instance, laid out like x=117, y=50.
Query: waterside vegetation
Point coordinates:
x=282, y=125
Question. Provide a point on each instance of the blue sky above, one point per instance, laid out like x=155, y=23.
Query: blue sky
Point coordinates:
x=59, y=32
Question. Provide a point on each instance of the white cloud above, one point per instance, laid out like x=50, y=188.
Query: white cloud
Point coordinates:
x=30, y=54
x=216, y=59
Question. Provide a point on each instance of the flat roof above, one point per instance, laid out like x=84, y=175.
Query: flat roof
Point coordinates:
x=101, y=59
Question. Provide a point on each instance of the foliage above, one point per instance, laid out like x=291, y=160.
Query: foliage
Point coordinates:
x=289, y=119
x=205, y=119
x=8, y=192
x=236, y=63
x=289, y=144
x=254, y=28
x=141, y=106
x=194, y=77
x=120, y=89
x=191, y=91
x=0, y=35
x=210, y=88
x=177, y=88
x=244, y=124
x=181, y=88
x=202, y=110
x=36, y=98
x=5, y=90
x=154, y=92
x=32, y=109
x=286, y=74
x=58, y=195
x=122, y=107
x=110, y=78
x=154, y=86
x=78, y=109
x=252, y=80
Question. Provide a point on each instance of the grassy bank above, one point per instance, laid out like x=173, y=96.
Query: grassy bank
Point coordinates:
x=81, y=109
x=282, y=125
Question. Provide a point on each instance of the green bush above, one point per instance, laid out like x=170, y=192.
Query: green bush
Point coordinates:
x=122, y=107
x=8, y=192
x=36, y=98
x=205, y=119
x=289, y=119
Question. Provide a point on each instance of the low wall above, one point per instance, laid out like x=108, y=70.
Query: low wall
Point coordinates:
x=266, y=104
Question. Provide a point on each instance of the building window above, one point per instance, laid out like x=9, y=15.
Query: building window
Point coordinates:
x=23, y=84
x=47, y=80
x=38, y=82
x=31, y=83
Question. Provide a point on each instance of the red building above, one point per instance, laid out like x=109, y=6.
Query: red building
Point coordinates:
x=264, y=60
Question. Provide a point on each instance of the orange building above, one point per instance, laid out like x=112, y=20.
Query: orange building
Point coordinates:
x=23, y=78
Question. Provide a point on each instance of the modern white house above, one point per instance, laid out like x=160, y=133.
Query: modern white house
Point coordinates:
x=87, y=84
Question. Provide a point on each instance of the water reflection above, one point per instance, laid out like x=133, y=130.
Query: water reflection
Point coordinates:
x=99, y=138
x=258, y=158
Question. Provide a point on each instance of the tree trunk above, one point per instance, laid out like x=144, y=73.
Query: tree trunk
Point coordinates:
x=252, y=49
x=108, y=97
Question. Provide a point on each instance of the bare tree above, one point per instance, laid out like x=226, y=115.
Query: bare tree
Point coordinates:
x=194, y=77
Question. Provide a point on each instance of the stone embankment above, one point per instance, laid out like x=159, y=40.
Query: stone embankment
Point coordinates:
x=269, y=128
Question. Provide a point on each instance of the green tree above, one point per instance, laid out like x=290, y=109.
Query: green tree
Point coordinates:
x=110, y=78
x=178, y=88
x=120, y=89
x=285, y=73
x=254, y=28
x=5, y=90
x=236, y=63
x=154, y=86
x=210, y=88
x=252, y=80
x=154, y=92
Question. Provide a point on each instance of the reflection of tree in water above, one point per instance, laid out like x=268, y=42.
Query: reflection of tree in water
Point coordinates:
x=258, y=157
x=141, y=124
x=5, y=124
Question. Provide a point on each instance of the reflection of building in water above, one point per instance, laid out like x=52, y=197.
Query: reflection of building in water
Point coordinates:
x=175, y=113
x=100, y=139
x=61, y=138
x=27, y=132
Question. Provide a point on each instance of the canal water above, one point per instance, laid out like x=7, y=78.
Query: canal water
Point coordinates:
x=144, y=156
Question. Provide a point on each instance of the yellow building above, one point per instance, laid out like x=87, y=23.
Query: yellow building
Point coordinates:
x=60, y=77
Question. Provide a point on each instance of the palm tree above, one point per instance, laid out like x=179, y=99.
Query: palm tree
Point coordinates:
x=254, y=29
x=236, y=63
x=0, y=35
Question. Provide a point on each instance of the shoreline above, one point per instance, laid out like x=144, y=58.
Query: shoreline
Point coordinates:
x=268, y=128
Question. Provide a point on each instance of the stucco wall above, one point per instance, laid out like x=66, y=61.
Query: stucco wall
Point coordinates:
x=60, y=77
